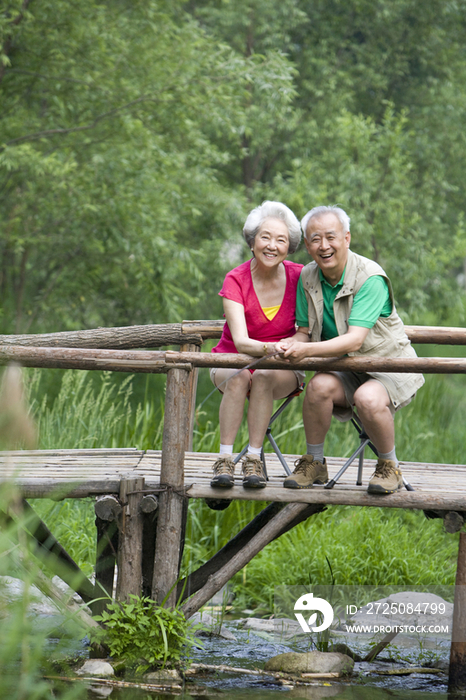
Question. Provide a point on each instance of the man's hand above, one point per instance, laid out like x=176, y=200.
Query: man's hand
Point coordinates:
x=293, y=349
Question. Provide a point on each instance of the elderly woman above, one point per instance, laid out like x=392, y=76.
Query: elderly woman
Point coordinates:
x=259, y=300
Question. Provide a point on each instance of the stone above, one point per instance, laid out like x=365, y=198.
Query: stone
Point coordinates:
x=212, y=627
x=281, y=627
x=165, y=676
x=311, y=662
x=96, y=667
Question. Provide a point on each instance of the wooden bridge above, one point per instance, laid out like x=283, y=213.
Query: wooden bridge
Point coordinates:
x=141, y=496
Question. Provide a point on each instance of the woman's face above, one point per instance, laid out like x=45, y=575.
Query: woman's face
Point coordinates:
x=271, y=243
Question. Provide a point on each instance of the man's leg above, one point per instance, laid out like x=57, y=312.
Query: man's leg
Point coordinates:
x=323, y=393
x=373, y=406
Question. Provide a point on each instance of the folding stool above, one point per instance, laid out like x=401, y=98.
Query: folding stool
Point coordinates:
x=270, y=437
x=364, y=441
x=222, y=504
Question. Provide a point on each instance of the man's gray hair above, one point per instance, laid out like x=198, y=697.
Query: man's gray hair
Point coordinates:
x=274, y=210
x=341, y=215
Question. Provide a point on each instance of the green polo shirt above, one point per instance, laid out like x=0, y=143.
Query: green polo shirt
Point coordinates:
x=372, y=301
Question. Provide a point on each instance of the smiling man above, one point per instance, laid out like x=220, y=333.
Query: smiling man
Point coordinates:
x=345, y=306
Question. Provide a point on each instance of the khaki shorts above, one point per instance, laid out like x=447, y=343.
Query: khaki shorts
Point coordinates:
x=352, y=381
x=299, y=374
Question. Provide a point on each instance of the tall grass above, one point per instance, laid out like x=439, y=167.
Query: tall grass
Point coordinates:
x=364, y=545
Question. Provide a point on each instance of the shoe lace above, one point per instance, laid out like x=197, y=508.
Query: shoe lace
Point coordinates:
x=252, y=467
x=384, y=470
x=302, y=465
x=224, y=465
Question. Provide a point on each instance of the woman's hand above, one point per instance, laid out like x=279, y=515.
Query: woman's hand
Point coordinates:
x=292, y=349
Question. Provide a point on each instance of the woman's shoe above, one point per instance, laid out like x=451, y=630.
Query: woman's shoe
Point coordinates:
x=253, y=473
x=224, y=472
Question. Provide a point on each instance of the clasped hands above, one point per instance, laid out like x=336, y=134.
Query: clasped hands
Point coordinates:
x=291, y=349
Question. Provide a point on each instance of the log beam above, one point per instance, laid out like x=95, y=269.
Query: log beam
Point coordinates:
x=156, y=335
x=49, y=550
x=162, y=362
x=198, y=578
x=124, y=337
x=218, y=579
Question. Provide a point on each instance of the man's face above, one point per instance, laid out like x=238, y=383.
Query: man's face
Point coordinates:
x=328, y=244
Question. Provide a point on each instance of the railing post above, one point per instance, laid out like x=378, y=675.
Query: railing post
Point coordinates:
x=191, y=347
x=170, y=511
x=457, y=673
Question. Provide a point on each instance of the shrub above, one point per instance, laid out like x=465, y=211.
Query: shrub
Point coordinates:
x=145, y=634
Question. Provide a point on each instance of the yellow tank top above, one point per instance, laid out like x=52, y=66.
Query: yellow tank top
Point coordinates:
x=271, y=311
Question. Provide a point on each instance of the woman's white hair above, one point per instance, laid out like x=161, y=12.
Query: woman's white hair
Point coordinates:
x=341, y=215
x=274, y=210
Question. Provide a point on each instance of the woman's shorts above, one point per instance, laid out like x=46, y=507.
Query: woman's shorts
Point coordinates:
x=299, y=374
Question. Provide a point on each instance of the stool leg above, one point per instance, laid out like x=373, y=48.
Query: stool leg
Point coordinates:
x=276, y=449
x=330, y=484
x=241, y=454
x=360, y=468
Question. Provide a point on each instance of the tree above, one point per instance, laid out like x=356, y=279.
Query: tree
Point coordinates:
x=106, y=170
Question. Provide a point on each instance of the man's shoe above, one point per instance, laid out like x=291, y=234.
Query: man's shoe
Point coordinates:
x=253, y=473
x=387, y=477
x=224, y=472
x=307, y=471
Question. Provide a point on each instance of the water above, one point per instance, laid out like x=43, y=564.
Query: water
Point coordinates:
x=251, y=650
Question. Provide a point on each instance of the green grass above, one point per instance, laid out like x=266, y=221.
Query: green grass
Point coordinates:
x=364, y=545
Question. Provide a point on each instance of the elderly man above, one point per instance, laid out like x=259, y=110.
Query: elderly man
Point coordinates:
x=345, y=306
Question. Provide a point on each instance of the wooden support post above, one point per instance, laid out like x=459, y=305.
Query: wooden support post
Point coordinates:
x=215, y=582
x=129, y=579
x=191, y=347
x=148, y=549
x=457, y=673
x=197, y=579
x=107, y=509
x=170, y=518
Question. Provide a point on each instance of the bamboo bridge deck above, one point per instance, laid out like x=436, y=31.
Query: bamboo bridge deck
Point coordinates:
x=81, y=473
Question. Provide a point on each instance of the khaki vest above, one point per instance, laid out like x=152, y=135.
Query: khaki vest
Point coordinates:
x=386, y=339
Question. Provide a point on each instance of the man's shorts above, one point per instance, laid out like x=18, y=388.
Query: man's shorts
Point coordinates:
x=299, y=374
x=352, y=381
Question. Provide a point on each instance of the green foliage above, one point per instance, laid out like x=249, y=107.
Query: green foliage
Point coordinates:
x=107, y=175
x=102, y=414
x=26, y=650
x=145, y=634
x=366, y=546
x=136, y=136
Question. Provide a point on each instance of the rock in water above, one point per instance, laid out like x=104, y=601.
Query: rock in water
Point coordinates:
x=96, y=667
x=311, y=662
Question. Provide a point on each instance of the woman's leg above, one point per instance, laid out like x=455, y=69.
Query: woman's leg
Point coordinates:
x=232, y=405
x=267, y=385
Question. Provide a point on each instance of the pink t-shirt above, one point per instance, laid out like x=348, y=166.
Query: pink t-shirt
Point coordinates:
x=238, y=286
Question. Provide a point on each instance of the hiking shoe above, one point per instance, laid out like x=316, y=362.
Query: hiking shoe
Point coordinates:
x=307, y=471
x=253, y=473
x=386, y=478
x=224, y=472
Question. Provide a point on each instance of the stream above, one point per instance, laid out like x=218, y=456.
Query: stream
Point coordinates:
x=252, y=648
